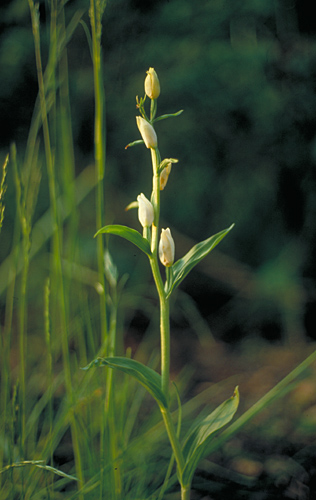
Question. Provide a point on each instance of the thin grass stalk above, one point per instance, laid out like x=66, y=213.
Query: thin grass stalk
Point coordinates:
x=52, y=63
x=96, y=11
x=4, y=396
x=22, y=303
x=4, y=344
x=56, y=241
x=67, y=145
x=49, y=82
x=4, y=392
x=12, y=423
x=7, y=335
x=25, y=200
x=110, y=405
x=99, y=153
x=49, y=365
x=3, y=188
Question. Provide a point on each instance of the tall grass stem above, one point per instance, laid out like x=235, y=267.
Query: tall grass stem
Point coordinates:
x=57, y=259
x=99, y=152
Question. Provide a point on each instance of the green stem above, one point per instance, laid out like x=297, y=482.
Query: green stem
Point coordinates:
x=164, y=327
x=174, y=441
x=164, y=303
x=155, y=199
x=153, y=109
x=185, y=492
x=164, y=318
x=99, y=151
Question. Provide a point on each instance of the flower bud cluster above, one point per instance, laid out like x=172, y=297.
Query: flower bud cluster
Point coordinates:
x=146, y=212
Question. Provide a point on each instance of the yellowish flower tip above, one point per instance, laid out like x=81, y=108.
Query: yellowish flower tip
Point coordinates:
x=166, y=248
x=164, y=176
x=133, y=204
x=147, y=132
x=152, y=85
x=145, y=211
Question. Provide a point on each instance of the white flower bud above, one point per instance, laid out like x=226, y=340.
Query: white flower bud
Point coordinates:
x=164, y=176
x=166, y=248
x=152, y=85
x=145, y=211
x=147, y=132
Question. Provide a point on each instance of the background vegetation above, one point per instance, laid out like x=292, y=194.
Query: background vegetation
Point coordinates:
x=244, y=72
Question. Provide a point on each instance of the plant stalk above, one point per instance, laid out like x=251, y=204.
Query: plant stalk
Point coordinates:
x=173, y=438
x=164, y=322
x=185, y=492
x=164, y=302
x=155, y=199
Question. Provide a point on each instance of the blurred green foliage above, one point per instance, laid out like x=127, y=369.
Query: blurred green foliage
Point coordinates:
x=244, y=72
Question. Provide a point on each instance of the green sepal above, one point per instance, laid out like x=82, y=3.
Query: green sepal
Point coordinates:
x=169, y=115
x=183, y=266
x=129, y=234
x=134, y=143
x=140, y=105
x=146, y=376
x=197, y=441
x=133, y=204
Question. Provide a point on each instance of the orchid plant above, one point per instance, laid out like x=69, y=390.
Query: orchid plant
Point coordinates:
x=158, y=244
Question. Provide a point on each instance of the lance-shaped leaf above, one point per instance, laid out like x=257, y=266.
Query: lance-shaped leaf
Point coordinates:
x=129, y=234
x=184, y=265
x=148, y=377
x=169, y=115
x=195, y=446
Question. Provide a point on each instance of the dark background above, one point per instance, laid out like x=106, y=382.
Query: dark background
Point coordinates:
x=245, y=74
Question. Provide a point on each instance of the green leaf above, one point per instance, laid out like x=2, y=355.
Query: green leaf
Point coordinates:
x=129, y=234
x=196, y=443
x=148, y=377
x=169, y=115
x=183, y=266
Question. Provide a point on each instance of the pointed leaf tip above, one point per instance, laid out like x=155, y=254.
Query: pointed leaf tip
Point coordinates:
x=183, y=266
